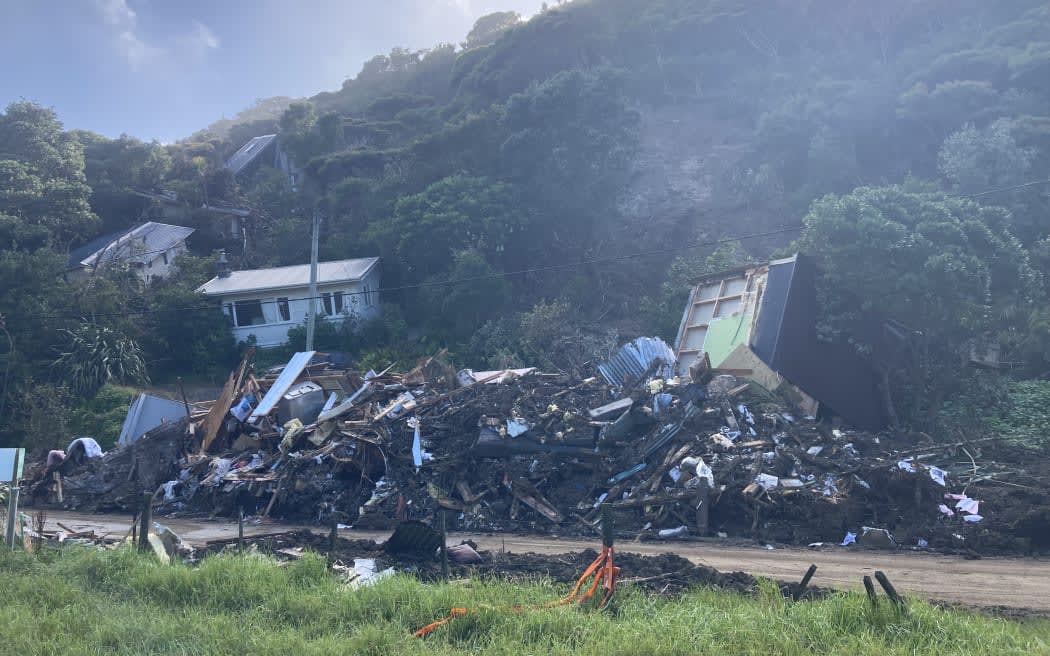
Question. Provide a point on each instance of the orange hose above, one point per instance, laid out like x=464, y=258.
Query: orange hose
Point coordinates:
x=602, y=570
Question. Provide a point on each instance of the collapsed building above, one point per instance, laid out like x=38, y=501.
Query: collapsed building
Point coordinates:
x=747, y=427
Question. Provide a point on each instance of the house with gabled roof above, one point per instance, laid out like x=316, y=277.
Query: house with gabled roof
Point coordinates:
x=149, y=249
x=263, y=304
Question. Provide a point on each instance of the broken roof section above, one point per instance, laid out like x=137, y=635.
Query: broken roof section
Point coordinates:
x=633, y=360
x=249, y=152
x=760, y=322
x=134, y=244
x=146, y=413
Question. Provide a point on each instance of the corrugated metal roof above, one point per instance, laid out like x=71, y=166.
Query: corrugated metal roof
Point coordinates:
x=249, y=152
x=146, y=413
x=287, y=376
x=634, y=358
x=297, y=275
x=139, y=244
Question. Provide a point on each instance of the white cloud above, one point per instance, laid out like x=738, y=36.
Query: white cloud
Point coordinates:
x=139, y=51
x=197, y=42
x=117, y=13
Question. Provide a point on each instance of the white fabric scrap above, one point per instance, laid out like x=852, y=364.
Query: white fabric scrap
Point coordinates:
x=938, y=474
x=417, y=443
x=905, y=465
x=169, y=490
x=516, y=426
x=968, y=506
x=973, y=519
x=851, y=538
x=946, y=511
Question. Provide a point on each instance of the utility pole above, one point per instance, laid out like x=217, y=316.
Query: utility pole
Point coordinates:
x=311, y=317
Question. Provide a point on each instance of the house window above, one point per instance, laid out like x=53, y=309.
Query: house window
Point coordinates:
x=165, y=256
x=227, y=309
x=249, y=313
x=334, y=303
x=283, y=310
x=367, y=295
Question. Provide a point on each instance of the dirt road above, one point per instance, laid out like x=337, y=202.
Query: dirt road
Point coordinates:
x=1015, y=584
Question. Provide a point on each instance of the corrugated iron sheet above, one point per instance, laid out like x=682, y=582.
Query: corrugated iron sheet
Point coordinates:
x=635, y=358
x=288, y=375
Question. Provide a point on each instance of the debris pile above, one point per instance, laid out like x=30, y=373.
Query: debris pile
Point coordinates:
x=702, y=454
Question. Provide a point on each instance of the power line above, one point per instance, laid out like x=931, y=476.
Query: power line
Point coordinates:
x=1002, y=189
x=470, y=279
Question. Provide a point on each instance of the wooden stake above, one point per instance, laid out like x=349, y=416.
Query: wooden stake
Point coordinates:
x=891, y=592
x=240, y=529
x=703, y=502
x=444, y=546
x=145, y=519
x=608, y=525
x=804, y=583
x=869, y=587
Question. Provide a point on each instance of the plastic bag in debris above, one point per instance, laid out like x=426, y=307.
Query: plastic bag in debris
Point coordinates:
x=767, y=481
x=366, y=572
x=830, y=489
x=243, y=408
x=697, y=466
x=968, y=506
x=677, y=532
x=516, y=426
x=906, y=465
x=169, y=490
x=851, y=538
x=417, y=443
x=938, y=475
x=946, y=511
x=973, y=519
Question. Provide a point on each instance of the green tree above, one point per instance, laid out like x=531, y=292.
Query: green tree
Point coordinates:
x=42, y=174
x=456, y=213
x=488, y=28
x=944, y=266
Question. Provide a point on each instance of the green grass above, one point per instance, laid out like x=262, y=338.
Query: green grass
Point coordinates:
x=81, y=601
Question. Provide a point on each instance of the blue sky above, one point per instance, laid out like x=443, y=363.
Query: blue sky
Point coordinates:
x=162, y=69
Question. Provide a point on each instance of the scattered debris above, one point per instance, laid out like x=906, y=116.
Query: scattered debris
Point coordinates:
x=524, y=450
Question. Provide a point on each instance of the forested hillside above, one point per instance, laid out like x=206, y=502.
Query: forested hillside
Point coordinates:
x=901, y=144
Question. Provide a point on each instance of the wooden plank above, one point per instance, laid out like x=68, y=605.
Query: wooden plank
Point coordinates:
x=218, y=412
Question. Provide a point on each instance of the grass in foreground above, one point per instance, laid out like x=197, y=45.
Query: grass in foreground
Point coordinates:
x=81, y=601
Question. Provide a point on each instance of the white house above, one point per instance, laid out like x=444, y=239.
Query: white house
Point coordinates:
x=267, y=302
x=149, y=249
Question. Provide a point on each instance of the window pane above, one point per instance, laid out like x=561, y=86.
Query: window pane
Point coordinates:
x=269, y=307
x=283, y=310
x=249, y=313
x=339, y=302
x=326, y=299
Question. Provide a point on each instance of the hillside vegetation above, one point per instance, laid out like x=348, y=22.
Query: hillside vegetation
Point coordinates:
x=890, y=141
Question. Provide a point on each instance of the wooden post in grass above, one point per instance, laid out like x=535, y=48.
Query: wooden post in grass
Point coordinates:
x=891, y=592
x=608, y=525
x=804, y=583
x=444, y=546
x=240, y=528
x=333, y=538
x=703, y=499
x=869, y=587
x=145, y=519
